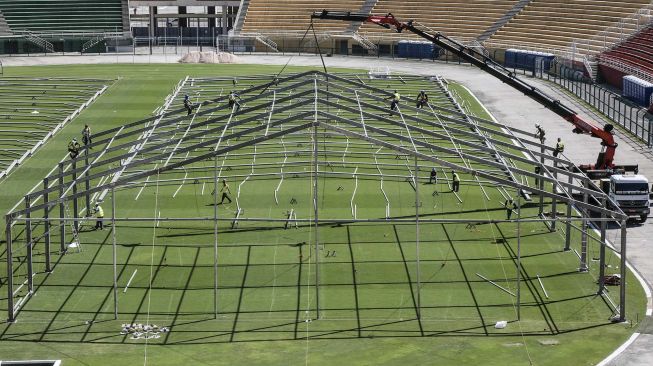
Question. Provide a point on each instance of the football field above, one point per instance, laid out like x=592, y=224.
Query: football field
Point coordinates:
x=333, y=243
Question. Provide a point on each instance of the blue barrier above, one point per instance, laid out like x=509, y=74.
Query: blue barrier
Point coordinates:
x=415, y=49
x=527, y=60
x=637, y=90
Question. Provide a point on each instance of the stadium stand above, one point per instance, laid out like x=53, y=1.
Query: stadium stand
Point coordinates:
x=278, y=16
x=63, y=15
x=455, y=18
x=557, y=23
x=634, y=56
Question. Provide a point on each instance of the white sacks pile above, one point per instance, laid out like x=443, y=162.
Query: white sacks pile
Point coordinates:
x=197, y=57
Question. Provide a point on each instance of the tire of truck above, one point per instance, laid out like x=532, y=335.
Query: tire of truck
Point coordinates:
x=643, y=218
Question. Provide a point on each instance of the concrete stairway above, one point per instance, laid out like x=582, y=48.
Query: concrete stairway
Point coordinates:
x=503, y=20
x=125, y=16
x=240, y=17
x=4, y=27
x=366, y=8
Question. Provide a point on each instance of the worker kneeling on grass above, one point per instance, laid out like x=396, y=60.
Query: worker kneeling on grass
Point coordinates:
x=233, y=100
x=99, y=214
x=433, y=178
x=73, y=148
x=422, y=99
x=510, y=206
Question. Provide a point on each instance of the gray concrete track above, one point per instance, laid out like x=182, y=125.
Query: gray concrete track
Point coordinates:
x=509, y=107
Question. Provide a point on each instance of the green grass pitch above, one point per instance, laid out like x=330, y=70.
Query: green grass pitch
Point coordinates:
x=267, y=295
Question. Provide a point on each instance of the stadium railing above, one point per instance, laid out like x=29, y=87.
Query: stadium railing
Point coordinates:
x=609, y=103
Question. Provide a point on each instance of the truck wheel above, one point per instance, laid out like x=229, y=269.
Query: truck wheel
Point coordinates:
x=643, y=218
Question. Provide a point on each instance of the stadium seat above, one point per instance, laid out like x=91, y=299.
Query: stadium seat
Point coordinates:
x=278, y=16
x=634, y=55
x=455, y=18
x=555, y=24
x=63, y=15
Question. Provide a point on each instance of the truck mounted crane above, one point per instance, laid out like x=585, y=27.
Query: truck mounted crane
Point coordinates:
x=627, y=191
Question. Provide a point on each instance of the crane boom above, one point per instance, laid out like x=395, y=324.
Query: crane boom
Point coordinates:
x=605, y=158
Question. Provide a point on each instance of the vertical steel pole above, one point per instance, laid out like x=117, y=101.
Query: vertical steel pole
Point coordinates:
x=583, y=239
x=622, y=287
x=75, y=207
x=46, y=217
x=215, y=237
x=62, y=211
x=602, y=250
x=568, y=223
x=114, y=253
x=519, y=257
x=541, y=181
x=30, y=245
x=87, y=183
x=10, y=272
x=419, y=282
x=315, y=211
x=554, y=202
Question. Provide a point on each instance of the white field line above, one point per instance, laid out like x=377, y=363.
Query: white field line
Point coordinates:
x=344, y=154
x=285, y=158
x=360, y=109
x=182, y=181
x=353, y=195
x=274, y=98
x=144, y=184
x=387, y=201
x=246, y=179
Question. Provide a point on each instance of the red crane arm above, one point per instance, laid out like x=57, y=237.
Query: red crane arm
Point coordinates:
x=486, y=64
x=605, y=134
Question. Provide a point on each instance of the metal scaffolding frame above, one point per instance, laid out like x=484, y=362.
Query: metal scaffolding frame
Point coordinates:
x=303, y=105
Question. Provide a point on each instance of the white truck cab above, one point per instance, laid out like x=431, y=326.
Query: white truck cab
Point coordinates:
x=630, y=192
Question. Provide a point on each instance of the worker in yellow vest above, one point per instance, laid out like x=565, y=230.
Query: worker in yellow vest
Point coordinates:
x=560, y=147
x=455, y=187
x=99, y=214
x=394, y=101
